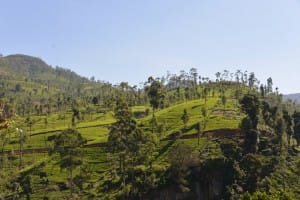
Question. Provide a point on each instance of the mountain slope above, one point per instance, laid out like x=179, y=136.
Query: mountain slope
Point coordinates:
x=31, y=68
x=27, y=80
x=293, y=97
x=25, y=65
x=22, y=73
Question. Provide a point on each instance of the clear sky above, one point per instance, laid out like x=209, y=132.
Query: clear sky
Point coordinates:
x=130, y=40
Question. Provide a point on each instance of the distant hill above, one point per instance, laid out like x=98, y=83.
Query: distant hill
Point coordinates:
x=28, y=84
x=23, y=64
x=293, y=97
x=27, y=77
x=24, y=67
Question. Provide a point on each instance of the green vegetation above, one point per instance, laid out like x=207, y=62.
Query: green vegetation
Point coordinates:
x=184, y=136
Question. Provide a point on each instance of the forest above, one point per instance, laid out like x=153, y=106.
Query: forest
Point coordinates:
x=180, y=136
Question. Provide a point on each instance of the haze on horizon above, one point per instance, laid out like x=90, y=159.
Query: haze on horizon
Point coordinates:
x=132, y=40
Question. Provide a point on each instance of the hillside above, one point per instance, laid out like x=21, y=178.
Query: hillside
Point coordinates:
x=23, y=67
x=186, y=138
x=27, y=80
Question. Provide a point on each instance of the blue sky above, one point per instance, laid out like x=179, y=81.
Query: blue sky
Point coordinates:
x=117, y=40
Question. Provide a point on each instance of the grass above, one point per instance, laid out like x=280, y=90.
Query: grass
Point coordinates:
x=95, y=131
x=95, y=128
x=63, y=121
x=171, y=117
x=94, y=134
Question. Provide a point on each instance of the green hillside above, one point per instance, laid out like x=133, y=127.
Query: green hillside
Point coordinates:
x=63, y=136
x=31, y=68
x=28, y=85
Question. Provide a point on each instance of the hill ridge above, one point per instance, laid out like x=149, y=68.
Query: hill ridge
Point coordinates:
x=292, y=96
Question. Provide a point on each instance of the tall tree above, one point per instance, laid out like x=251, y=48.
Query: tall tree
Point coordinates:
x=280, y=129
x=120, y=131
x=289, y=125
x=238, y=75
x=218, y=75
x=68, y=144
x=250, y=106
x=238, y=93
x=251, y=80
x=185, y=117
x=269, y=85
x=204, y=115
x=156, y=94
x=296, y=117
x=22, y=136
x=205, y=93
x=224, y=100
x=129, y=143
x=194, y=75
x=198, y=128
